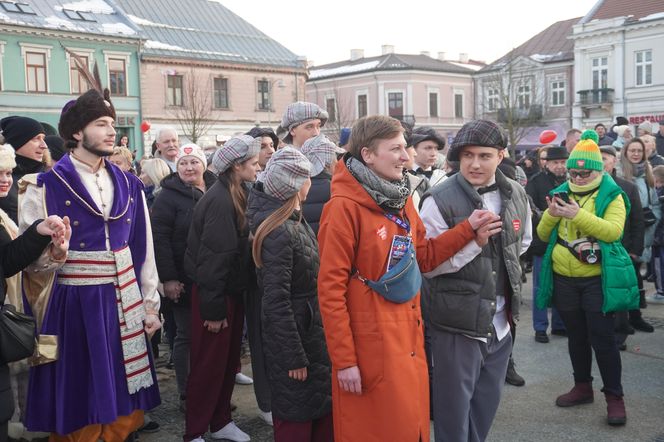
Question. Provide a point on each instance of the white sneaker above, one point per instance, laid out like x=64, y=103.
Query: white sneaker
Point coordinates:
x=266, y=416
x=231, y=432
x=243, y=379
x=656, y=298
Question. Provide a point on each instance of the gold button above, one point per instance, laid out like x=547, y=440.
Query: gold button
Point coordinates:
x=76, y=223
x=82, y=245
x=67, y=203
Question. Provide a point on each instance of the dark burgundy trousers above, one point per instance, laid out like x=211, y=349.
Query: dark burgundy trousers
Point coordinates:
x=318, y=430
x=214, y=359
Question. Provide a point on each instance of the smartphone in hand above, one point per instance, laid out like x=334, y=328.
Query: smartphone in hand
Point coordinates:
x=563, y=196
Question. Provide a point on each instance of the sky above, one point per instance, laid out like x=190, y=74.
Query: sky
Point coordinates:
x=325, y=32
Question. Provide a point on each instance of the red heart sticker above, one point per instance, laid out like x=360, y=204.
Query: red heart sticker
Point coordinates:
x=516, y=223
x=188, y=150
x=580, y=163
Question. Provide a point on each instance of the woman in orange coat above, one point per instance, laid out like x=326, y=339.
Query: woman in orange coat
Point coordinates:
x=380, y=385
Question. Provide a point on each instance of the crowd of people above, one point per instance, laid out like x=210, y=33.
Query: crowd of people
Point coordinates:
x=378, y=280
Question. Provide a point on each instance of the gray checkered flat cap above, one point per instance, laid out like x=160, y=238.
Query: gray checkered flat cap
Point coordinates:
x=236, y=150
x=321, y=152
x=298, y=113
x=285, y=173
x=477, y=133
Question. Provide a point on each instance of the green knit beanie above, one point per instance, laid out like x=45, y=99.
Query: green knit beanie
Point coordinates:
x=586, y=154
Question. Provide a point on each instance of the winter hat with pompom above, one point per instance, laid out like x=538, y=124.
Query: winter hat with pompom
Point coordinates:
x=586, y=154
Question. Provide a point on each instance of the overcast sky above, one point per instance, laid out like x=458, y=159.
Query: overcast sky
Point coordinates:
x=326, y=31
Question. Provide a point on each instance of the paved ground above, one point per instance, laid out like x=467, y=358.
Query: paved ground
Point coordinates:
x=526, y=413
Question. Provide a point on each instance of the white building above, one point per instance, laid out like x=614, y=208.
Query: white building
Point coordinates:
x=619, y=63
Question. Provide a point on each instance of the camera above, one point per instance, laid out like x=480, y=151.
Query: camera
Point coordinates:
x=589, y=256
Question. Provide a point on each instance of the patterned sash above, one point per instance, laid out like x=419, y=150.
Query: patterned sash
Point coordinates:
x=117, y=268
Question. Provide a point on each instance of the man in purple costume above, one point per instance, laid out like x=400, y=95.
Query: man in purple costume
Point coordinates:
x=97, y=376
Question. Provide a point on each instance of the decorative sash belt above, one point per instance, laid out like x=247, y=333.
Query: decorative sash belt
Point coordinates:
x=117, y=268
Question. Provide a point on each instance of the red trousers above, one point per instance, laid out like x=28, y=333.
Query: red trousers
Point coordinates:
x=214, y=359
x=319, y=430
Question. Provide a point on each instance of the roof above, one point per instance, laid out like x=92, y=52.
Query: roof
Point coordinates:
x=391, y=62
x=98, y=17
x=605, y=9
x=207, y=30
x=549, y=46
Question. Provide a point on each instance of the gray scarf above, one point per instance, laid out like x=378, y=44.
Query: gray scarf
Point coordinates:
x=389, y=195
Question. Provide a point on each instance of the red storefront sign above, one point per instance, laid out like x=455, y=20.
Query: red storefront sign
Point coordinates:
x=638, y=119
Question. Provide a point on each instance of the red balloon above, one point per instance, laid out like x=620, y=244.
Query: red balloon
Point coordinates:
x=548, y=136
x=145, y=126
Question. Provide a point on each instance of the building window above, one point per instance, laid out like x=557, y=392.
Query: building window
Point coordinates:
x=21, y=8
x=458, y=105
x=117, y=76
x=35, y=71
x=395, y=104
x=643, y=68
x=78, y=82
x=523, y=96
x=433, y=104
x=557, y=93
x=264, y=95
x=600, y=72
x=361, y=106
x=492, y=99
x=221, y=93
x=331, y=106
x=174, y=93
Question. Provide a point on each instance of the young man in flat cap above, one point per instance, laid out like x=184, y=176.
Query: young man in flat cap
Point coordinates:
x=301, y=121
x=427, y=144
x=26, y=136
x=471, y=299
x=552, y=175
x=96, y=375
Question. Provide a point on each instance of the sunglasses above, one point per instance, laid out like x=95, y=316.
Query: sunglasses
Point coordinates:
x=580, y=173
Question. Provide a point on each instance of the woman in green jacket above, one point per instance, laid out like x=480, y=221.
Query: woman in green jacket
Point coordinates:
x=583, y=226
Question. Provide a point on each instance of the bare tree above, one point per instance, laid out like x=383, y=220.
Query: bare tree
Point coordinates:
x=516, y=97
x=341, y=115
x=195, y=114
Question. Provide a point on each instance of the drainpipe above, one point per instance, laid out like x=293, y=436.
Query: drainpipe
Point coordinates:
x=140, y=97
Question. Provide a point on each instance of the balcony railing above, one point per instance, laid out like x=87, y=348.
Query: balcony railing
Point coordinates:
x=529, y=114
x=595, y=97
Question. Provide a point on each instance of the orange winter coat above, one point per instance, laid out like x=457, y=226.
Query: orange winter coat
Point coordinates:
x=385, y=340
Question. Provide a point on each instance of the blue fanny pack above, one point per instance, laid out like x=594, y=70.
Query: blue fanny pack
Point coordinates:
x=401, y=283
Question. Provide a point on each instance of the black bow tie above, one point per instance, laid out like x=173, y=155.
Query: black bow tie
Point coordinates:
x=486, y=189
x=426, y=173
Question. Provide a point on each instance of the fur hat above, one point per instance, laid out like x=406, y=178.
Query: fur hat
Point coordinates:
x=647, y=126
x=191, y=150
x=7, y=157
x=477, y=133
x=19, y=130
x=78, y=113
x=621, y=121
x=586, y=154
x=620, y=130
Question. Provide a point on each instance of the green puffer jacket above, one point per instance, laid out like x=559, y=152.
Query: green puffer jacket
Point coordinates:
x=618, y=276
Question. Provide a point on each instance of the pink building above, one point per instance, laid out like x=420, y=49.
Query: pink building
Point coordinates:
x=418, y=89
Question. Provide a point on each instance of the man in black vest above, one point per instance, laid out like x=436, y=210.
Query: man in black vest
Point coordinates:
x=470, y=300
x=538, y=188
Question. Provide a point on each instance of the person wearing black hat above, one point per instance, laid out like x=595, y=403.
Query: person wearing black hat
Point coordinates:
x=538, y=188
x=269, y=143
x=471, y=300
x=26, y=136
x=56, y=146
x=427, y=142
x=104, y=305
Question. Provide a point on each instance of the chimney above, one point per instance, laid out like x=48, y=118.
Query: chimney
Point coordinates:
x=356, y=54
x=387, y=49
x=463, y=57
x=425, y=53
x=442, y=56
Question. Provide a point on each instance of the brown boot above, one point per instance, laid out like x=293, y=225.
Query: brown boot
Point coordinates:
x=615, y=409
x=582, y=393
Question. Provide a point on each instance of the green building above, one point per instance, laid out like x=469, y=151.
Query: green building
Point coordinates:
x=37, y=75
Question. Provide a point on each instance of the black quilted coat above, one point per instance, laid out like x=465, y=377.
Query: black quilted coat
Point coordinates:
x=292, y=329
x=319, y=194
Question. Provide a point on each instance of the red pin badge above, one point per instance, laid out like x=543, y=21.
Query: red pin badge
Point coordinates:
x=516, y=223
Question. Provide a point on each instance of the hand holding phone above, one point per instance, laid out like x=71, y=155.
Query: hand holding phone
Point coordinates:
x=563, y=196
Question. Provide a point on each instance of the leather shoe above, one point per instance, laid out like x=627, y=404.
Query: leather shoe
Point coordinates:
x=512, y=376
x=641, y=325
x=541, y=337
